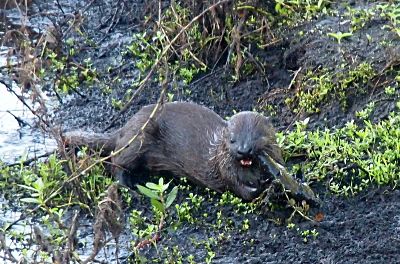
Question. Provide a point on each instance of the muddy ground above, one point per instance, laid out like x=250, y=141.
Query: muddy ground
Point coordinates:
x=360, y=229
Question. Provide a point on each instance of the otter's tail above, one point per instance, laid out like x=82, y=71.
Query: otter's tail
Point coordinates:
x=105, y=143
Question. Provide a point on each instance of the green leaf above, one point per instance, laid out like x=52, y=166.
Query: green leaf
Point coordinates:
x=164, y=187
x=161, y=182
x=149, y=193
x=336, y=36
x=171, y=196
x=27, y=187
x=157, y=204
x=347, y=34
x=31, y=200
x=38, y=184
x=153, y=186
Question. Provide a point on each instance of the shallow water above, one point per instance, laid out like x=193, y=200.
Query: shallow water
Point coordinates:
x=6, y=217
x=25, y=142
x=17, y=141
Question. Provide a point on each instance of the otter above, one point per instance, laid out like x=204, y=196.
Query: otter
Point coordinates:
x=192, y=141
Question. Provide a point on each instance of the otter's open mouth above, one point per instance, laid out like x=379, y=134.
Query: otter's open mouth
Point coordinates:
x=246, y=162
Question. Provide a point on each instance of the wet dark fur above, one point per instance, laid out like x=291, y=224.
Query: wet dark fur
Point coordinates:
x=188, y=140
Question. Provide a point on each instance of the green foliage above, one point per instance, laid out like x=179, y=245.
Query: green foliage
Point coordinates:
x=182, y=63
x=359, y=17
x=46, y=190
x=200, y=44
x=240, y=207
x=43, y=184
x=116, y=103
x=156, y=193
x=351, y=158
x=391, y=11
x=208, y=244
x=196, y=200
x=323, y=86
x=339, y=35
x=161, y=202
x=70, y=76
x=184, y=212
x=390, y=90
x=306, y=234
x=364, y=114
x=296, y=10
x=194, y=211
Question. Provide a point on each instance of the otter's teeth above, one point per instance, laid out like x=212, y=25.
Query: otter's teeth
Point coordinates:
x=246, y=162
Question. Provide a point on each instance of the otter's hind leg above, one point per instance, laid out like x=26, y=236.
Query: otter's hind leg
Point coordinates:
x=130, y=163
x=124, y=177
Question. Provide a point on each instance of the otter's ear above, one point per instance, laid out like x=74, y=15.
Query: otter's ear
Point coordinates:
x=268, y=124
x=268, y=120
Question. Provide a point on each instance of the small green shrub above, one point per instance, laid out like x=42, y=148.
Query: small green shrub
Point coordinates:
x=349, y=159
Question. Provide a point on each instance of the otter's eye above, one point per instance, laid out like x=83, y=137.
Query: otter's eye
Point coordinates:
x=232, y=141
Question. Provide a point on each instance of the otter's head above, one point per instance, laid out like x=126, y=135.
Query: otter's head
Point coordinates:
x=249, y=137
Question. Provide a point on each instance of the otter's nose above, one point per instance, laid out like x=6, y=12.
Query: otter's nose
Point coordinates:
x=245, y=150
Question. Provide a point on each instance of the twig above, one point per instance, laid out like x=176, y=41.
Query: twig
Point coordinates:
x=301, y=110
x=6, y=249
x=23, y=102
x=19, y=120
x=114, y=21
x=294, y=78
x=297, y=209
x=258, y=65
x=24, y=216
x=294, y=119
x=155, y=237
x=29, y=161
x=207, y=75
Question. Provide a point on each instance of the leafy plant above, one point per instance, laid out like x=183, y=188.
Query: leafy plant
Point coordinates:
x=364, y=114
x=161, y=202
x=296, y=10
x=359, y=17
x=391, y=11
x=350, y=159
x=44, y=185
x=339, y=35
x=319, y=86
x=70, y=76
x=155, y=192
